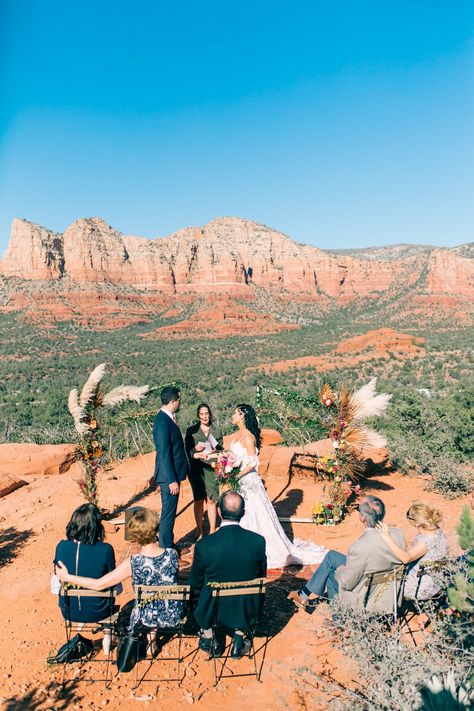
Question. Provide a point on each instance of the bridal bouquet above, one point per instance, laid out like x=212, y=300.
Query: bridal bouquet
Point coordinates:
x=227, y=470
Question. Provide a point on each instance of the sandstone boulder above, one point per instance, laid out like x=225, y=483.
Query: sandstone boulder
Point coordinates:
x=271, y=437
x=35, y=459
x=9, y=483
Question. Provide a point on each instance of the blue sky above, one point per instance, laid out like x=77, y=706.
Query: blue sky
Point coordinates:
x=343, y=124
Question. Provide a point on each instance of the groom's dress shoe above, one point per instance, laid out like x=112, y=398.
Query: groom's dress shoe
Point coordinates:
x=240, y=646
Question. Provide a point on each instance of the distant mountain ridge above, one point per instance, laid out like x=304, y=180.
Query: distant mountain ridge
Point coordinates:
x=387, y=252
x=228, y=256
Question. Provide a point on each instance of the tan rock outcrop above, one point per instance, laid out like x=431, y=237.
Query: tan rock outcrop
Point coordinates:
x=33, y=252
x=381, y=343
x=9, y=483
x=36, y=460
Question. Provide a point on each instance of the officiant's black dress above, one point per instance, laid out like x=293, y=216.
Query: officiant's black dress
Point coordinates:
x=202, y=476
x=230, y=555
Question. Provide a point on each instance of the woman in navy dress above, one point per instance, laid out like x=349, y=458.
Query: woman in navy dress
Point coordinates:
x=85, y=553
x=153, y=565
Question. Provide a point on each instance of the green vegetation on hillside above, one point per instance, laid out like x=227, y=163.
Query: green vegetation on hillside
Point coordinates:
x=39, y=367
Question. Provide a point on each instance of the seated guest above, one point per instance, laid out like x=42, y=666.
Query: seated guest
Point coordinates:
x=151, y=566
x=202, y=439
x=232, y=554
x=429, y=544
x=85, y=553
x=345, y=575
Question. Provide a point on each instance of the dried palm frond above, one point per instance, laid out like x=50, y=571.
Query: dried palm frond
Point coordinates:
x=359, y=437
x=366, y=403
x=89, y=391
x=346, y=407
x=123, y=393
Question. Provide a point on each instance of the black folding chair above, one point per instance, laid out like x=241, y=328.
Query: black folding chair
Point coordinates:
x=106, y=626
x=145, y=595
x=226, y=590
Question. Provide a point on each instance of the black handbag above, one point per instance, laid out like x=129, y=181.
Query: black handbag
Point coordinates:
x=75, y=649
x=131, y=650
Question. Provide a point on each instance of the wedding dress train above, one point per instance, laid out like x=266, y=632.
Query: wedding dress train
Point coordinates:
x=261, y=517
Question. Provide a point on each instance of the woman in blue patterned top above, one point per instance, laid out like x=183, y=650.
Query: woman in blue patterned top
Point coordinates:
x=151, y=566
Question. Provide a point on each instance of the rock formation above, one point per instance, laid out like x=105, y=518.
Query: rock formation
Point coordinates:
x=28, y=459
x=127, y=277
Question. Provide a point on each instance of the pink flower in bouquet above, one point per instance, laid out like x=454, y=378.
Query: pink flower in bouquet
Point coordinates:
x=228, y=470
x=232, y=463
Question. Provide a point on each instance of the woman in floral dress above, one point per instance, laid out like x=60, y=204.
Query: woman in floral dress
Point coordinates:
x=151, y=566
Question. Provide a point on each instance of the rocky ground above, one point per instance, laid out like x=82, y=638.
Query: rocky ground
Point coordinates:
x=299, y=654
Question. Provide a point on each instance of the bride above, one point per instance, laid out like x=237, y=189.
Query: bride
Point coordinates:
x=260, y=516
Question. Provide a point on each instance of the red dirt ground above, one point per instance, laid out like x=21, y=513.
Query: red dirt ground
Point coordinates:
x=33, y=520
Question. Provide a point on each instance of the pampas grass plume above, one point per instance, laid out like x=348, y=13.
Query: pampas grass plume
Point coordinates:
x=89, y=391
x=365, y=403
x=123, y=393
x=73, y=405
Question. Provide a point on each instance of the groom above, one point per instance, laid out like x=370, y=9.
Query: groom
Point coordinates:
x=171, y=464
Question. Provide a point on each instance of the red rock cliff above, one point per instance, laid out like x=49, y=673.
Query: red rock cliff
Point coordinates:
x=217, y=258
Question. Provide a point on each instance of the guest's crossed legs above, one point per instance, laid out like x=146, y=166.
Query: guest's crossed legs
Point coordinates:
x=323, y=582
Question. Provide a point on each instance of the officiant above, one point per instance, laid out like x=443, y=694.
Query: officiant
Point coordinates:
x=203, y=440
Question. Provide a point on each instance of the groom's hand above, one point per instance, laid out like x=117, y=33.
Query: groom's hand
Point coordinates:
x=174, y=488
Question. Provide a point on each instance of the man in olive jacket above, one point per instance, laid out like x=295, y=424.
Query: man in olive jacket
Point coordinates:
x=232, y=554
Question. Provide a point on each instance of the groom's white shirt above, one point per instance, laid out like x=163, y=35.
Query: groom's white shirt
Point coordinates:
x=170, y=414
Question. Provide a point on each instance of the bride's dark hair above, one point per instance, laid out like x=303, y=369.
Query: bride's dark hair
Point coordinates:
x=251, y=422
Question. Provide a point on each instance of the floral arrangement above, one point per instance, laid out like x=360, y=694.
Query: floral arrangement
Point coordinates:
x=83, y=409
x=345, y=414
x=342, y=422
x=326, y=514
x=333, y=511
x=227, y=470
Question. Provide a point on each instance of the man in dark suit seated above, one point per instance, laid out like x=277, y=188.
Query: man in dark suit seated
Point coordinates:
x=230, y=555
x=171, y=464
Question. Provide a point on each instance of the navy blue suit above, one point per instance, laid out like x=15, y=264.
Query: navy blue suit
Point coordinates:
x=171, y=466
x=229, y=555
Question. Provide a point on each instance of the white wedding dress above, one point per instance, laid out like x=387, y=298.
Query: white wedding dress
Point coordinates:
x=261, y=517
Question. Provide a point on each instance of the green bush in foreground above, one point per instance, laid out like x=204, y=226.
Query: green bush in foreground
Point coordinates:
x=461, y=595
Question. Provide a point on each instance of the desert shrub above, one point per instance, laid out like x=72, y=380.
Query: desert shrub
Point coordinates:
x=450, y=478
x=461, y=594
x=409, y=452
x=432, y=436
x=398, y=676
